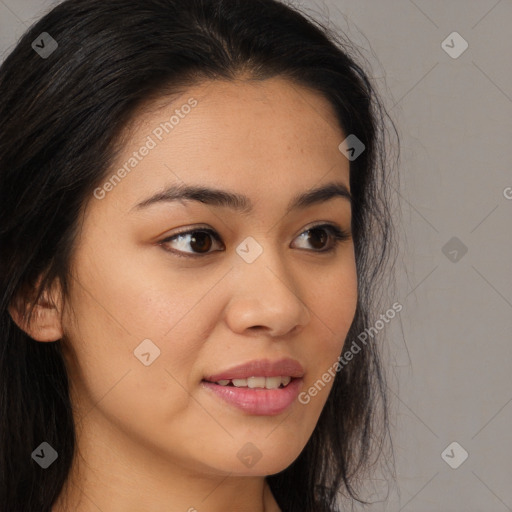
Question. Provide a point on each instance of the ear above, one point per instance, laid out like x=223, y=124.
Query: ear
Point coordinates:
x=45, y=324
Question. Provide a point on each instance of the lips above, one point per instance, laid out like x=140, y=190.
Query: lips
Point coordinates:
x=261, y=387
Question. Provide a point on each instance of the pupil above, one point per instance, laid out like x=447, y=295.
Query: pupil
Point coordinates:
x=201, y=238
x=322, y=236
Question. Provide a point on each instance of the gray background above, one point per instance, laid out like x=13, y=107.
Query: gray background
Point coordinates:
x=451, y=346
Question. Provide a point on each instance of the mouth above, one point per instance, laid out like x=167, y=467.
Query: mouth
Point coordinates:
x=278, y=382
x=259, y=387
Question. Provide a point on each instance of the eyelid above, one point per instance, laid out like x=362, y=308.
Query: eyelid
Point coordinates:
x=327, y=224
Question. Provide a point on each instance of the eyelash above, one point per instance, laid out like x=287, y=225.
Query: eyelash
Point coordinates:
x=338, y=234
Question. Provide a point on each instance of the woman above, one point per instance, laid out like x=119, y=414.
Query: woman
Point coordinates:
x=141, y=369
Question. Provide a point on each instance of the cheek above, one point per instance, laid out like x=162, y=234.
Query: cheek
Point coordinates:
x=332, y=307
x=147, y=401
x=133, y=342
x=332, y=300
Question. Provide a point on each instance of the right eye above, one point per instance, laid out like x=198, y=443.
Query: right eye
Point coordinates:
x=200, y=242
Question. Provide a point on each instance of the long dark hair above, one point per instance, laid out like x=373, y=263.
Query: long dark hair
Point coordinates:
x=62, y=115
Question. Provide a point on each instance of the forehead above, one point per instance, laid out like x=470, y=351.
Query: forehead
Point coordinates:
x=257, y=137
x=244, y=107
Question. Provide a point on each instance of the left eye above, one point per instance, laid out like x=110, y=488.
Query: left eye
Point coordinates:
x=200, y=240
x=317, y=235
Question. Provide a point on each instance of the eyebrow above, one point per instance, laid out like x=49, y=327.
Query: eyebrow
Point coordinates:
x=239, y=202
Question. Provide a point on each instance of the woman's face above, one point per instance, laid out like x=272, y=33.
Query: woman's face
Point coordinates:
x=152, y=315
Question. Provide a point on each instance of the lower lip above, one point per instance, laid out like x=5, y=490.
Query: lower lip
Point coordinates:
x=264, y=402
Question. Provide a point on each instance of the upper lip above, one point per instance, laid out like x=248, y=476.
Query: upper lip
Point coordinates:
x=260, y=368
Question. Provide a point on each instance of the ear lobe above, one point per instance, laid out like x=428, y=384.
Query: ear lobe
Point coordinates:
x=45, y=324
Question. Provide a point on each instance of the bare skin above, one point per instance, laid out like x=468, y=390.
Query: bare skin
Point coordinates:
x=151, y=438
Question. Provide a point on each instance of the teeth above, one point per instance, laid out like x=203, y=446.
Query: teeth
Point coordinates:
x=273, y=382
x=257, y=382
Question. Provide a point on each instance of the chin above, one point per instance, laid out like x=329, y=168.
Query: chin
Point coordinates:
x=258, y=455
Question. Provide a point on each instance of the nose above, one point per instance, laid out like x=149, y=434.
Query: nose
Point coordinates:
x=265, y=298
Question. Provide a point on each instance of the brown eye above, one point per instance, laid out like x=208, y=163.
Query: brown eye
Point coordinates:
x=318, y=237
x=200, y=241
